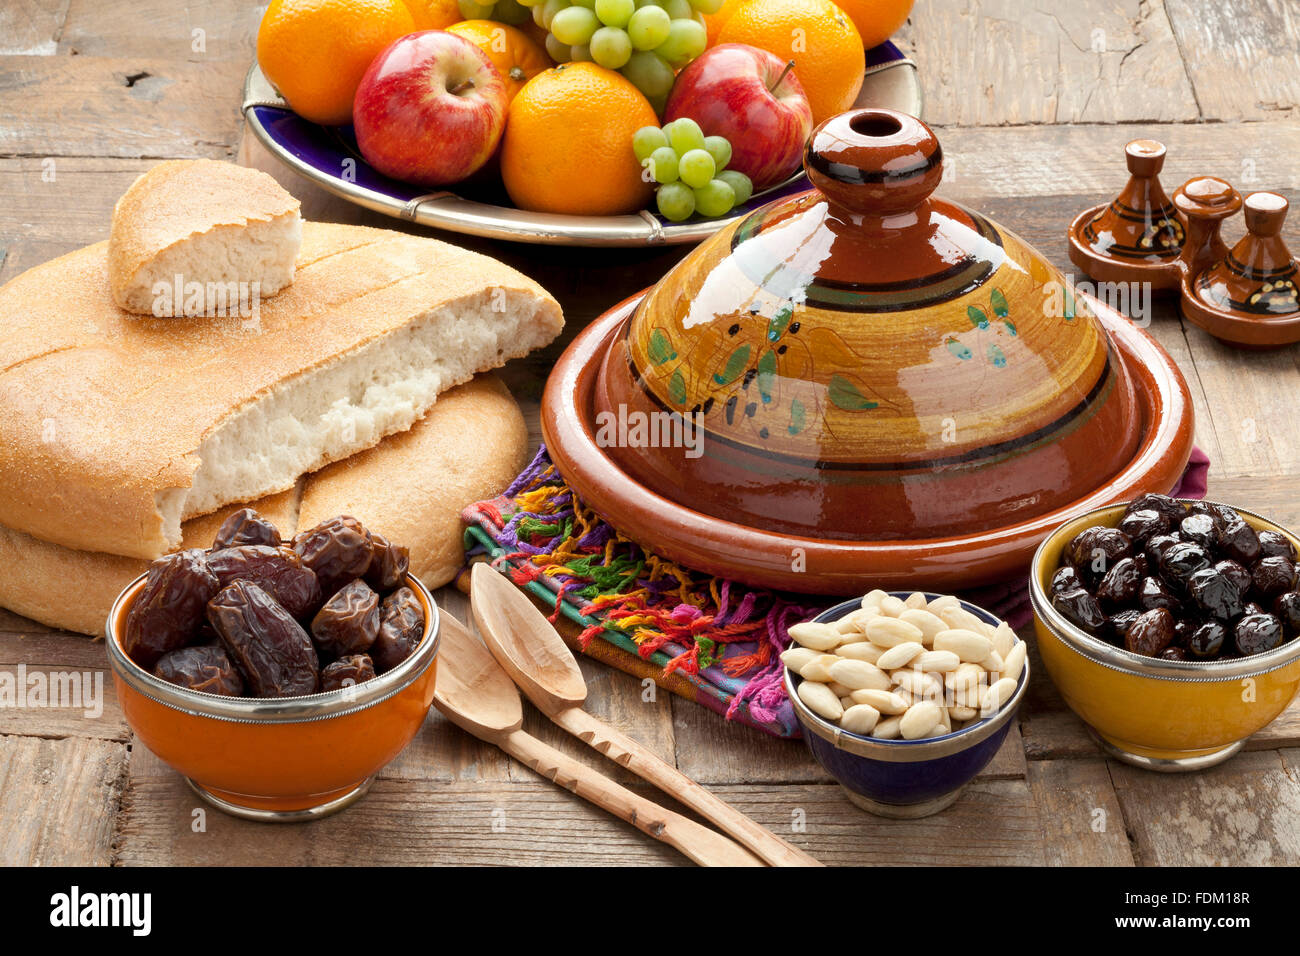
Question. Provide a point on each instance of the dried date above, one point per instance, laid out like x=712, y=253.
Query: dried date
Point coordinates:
x=243, y=527
x=338, y=550
x=347, y=672
x=272, y=651
x=207, y=669
x=167, y=612
x=349, y=621
x=276, y=570
x=401, y=625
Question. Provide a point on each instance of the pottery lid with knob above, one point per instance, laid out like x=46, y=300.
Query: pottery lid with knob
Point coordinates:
x=867, y=361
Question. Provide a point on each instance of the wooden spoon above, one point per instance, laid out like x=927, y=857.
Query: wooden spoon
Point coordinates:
x=477, y=695
x=533, y=654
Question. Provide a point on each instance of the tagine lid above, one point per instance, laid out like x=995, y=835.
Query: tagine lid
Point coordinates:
x=867, y=360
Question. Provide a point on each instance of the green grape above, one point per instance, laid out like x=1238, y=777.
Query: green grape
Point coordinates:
x=557, y=50
x=649, y=3
x=539, y=11
x=473, y=10
x=707, y=6
x=649, y=73
x=686, y=40
x=740, y=184
x=658, y=103
x=550, y=9
x=696, y=167
x=663, y=165
x=714, y=198
x=615, y=13
x=648, y=27
x=684, y=135
x=580, y=53
x=509, y=11
x=611, y=48
x=589, y=4
x=675, y=201
x=646, y=140
x=719, y=149
x=678, y=9
x=530, y=4
x=574, y=25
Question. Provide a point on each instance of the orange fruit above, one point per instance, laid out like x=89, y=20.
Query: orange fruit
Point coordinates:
x=568, y=143
x=316, y=51
x=511, y=51
x=434, y=14
x=876, y=20
x=817, y=35
x=713, y=21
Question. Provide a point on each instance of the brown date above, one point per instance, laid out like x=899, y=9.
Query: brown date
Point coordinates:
x=349, y=621
x=207, y=669
x=246, y=526
x=401, y=624
x=388, y=565
x=338, y=550
x=347, y=672
x=167, y=612
x=278, y=571
x=271, y=650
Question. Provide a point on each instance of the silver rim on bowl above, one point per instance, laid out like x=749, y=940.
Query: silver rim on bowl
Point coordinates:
x=907, y=751
x=277, y=710
x=1117, y=658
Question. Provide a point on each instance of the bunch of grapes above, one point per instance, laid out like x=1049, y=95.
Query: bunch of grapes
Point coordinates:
x=691, y=170
x=503, y=11
x=645, y=40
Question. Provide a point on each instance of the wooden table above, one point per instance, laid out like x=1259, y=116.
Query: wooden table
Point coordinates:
x=1028, y=94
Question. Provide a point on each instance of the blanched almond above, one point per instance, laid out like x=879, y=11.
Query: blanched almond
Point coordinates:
x=900, y=655
x=820, y=700
x=887, y=729
x=957, y=617
x=919, y=720
x=887, y=702
x=892, y=606
x=916, y=600
x=1014, y=662
x=993, y=663
x=873, y=598
x=966, y=644
x=920, y=685
x=819, y=637
x=996, y=696
x=860, y=719
x=1004, y=639
x=964, y=677
x=838, y=689
x=819, y=668
x=862, y=650
x=859, y=675
x=939, y=603
x=929, y=624
x=959, y=713
x=890, y=631
x=937, y=661
x=796, y=658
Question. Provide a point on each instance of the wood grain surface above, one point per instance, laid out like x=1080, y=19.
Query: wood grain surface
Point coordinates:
x=1035, y=100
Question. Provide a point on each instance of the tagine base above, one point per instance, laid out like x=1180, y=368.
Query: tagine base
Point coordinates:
x=281, y=809
x=1163, y=276
x=759, y=558
x=1163, y=761
x=903, y=811
x=1252, y=334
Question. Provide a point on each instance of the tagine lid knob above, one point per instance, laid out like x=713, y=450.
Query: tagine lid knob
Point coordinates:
x=1145, y=158
x=874, y=161
x=1207, y=197
x=1264, y=213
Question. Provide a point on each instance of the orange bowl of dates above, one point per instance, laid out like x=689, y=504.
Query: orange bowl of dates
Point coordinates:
x=863, y=385
x=278, y=677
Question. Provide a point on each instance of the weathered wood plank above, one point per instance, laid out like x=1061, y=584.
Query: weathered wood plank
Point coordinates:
x=31, y=27
x=211, y=31
x=1243, y=58
x=77, y=697
x=57, y=800
x=1008, y=62
x=57, y=204
x=59, y=105
x=1240, y=813
x=1082, y=821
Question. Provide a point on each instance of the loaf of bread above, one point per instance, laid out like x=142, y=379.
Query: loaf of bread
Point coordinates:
x=202, y=238
x=115, y=429
x=411, y=488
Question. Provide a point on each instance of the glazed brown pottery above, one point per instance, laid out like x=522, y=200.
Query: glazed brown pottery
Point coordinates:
x=886, y=386
x=1139, y=231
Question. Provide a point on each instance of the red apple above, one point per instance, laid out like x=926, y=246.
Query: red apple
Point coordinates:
x=750, y=97
x=430, y=109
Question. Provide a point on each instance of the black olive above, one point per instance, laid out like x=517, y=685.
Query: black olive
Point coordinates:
x=1095, y=550
x=1257, y=633
x=1199, y=528
x=1143, y=525
x=1238, y=541
x=1207, y=640
x=1273, y=544
x=1180, y=562
x=1172, y=653
x=1235, y=573
x=1272, y=576
x=1065, y=579
x=1215, y=594
x=1287, y=608
x=1158, y=545
x=1081, y=609
x=1173, y=509
x=1121, y=621
x=1153, y=593
x=1151, y=633
x=1119, y=588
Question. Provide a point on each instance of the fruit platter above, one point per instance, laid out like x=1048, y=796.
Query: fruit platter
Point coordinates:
x=517, y=120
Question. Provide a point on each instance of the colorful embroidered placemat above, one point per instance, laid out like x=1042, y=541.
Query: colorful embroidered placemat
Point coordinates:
x=712, y=641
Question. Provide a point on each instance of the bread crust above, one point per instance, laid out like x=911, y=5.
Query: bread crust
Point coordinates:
x=101, y=411
x=183, y=198
x=411, y=487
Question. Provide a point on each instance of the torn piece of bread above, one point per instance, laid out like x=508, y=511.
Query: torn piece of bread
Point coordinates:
x=202, y=238
x=411, y=488
x=116, y=429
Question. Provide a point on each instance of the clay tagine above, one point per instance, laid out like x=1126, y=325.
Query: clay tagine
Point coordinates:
x=871, y=383
x=1140, y=231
